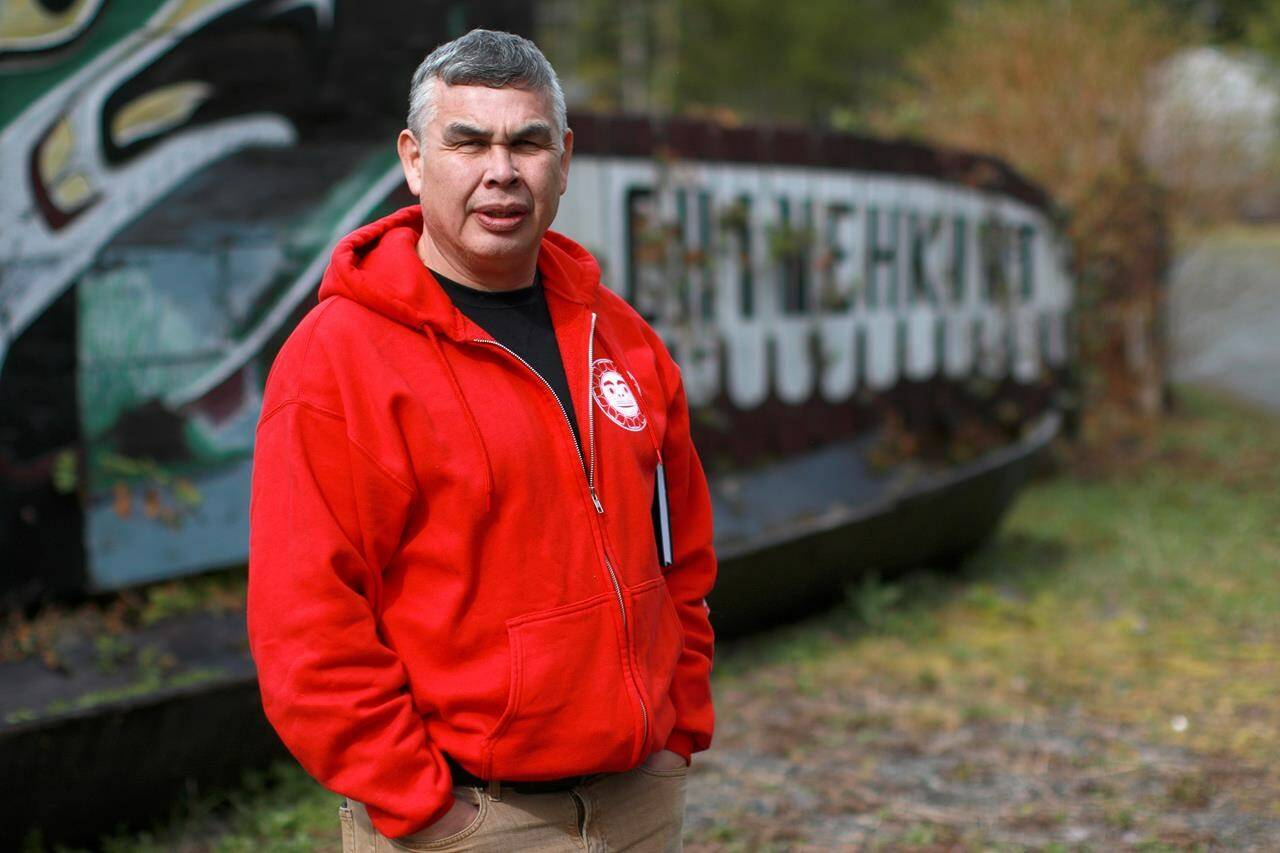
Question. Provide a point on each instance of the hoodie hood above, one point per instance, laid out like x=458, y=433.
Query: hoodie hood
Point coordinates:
x=378, y=266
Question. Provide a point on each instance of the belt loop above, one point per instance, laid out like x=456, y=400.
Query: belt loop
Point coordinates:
x=495, y=789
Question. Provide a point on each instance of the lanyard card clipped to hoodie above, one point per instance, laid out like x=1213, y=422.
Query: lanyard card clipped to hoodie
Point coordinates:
x=660, y=510
x=661, y=517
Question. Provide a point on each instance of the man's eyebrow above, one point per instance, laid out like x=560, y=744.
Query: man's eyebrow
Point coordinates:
x=461, y=130
x=538, y=131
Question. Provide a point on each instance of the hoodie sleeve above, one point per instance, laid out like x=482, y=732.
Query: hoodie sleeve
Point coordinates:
x=325, y=517
x=691, y=574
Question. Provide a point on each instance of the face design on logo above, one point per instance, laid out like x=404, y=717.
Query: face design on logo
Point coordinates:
x=615, y=390
x=614, y=396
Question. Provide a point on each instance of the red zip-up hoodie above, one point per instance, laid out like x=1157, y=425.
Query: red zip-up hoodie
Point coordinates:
x=435, y=566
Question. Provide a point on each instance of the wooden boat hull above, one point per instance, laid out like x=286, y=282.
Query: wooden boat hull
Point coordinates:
x=64, y=771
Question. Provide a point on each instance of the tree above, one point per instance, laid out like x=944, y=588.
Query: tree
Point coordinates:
x=817, y=61
x=1059, y=89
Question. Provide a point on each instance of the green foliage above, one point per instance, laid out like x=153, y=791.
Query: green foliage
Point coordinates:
x=21, y=715
x=789, y=241
x=1262, y=31
x=921, y=835
x=172, y=599
x=872, y=600
x=754, y=58
x=110, y=651
x=149, y=681
x=1228, y=21
x=66, y=475
x=1060, y=91
x=279, y=809
x=211, y=593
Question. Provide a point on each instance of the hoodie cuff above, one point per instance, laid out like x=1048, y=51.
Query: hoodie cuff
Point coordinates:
x=681, y=743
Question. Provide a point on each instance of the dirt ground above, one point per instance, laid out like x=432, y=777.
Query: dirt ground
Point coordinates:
x=857, y=767
x=1101, y=677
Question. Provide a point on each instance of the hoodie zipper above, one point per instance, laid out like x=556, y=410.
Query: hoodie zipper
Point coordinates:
x=588, y=471
x=591, y=443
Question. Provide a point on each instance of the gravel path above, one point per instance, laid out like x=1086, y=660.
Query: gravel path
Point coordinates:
x=1224, y=316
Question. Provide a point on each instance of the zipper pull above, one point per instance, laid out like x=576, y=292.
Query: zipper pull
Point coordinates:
x=595, y=499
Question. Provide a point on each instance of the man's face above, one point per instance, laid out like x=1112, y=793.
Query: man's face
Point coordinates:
x=489, y=172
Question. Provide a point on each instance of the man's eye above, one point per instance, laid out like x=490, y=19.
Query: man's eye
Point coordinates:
x=471, y=145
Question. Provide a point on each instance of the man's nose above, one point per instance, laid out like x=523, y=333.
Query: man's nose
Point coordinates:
x=500, y=170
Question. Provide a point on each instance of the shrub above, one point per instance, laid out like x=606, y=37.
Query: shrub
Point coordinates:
x=1059, y=90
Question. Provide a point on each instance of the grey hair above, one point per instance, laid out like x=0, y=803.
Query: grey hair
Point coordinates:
x=485, y=58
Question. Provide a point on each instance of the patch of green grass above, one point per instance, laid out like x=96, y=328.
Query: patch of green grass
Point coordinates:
x=110, y=651
x=1240, y=235
x=214, y=592
x=1146, y=596
x=920, y=835
x=108, y=623
x=281, y=809
x=150, y=682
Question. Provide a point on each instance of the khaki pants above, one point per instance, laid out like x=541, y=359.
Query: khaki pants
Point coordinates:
x=641, y=810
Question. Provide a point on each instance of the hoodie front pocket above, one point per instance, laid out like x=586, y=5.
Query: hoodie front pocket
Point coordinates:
x=569, y=709
x=659, y=641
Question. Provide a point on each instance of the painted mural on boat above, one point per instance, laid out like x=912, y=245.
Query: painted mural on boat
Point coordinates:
x=177, y=172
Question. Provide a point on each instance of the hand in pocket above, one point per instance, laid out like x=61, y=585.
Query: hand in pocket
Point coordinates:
x=459, y=816
x=664, y=759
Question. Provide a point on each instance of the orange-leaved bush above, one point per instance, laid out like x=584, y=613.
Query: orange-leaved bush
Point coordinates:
x=1059, y=90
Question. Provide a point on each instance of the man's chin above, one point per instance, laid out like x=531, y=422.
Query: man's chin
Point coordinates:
x=514, y=245
x=500, y=255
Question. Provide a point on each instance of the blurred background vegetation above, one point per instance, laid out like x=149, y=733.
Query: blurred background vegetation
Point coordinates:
x=1143, y=118
x=826, y=61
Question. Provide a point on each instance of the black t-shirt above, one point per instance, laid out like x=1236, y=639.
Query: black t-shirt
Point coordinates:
x=519, y=320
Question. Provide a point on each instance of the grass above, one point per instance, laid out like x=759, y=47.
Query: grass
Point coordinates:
x=1140, y=601
x=281, y=810
x=1143, y=597
x=1127, y=619
x=107, y=621
x=150, y=682
x=1236, y=235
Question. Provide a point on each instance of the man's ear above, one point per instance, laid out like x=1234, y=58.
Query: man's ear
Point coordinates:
x=565, y=156
x=411, y=160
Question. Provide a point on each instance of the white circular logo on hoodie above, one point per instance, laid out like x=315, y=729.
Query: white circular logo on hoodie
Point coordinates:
x=614, y=396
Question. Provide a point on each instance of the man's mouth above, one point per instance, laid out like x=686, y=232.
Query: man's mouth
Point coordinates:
x=501, y=217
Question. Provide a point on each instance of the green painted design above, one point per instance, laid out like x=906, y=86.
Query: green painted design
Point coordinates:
x=135, y=344
x=25, y=84
x=316, y=229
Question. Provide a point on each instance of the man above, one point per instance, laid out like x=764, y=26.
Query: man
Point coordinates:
x=480, y=534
